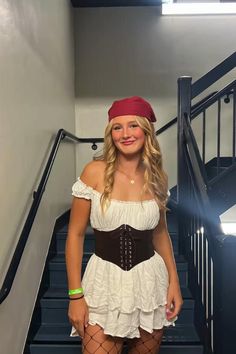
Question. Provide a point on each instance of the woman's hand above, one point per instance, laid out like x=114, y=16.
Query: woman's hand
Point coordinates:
x=174, y=300
x=78, y=315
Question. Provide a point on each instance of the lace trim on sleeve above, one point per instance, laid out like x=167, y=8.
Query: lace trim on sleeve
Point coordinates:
x=81, y=190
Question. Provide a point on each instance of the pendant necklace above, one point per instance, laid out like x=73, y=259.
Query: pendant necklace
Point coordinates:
x=131, y=180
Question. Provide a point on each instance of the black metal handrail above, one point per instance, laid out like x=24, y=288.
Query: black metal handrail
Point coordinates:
x=213, y=99
x=216, y=100
x=197, y=105
x=37, y=196
x=213, y=75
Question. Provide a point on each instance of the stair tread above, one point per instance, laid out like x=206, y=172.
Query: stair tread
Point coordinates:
x=225, y=161
x=61, y=333
x=89, y=233
x=61, y=292
x=64, y=230
x=60, y=266
x=77, y=345
x=60, y=258
x=63, y=303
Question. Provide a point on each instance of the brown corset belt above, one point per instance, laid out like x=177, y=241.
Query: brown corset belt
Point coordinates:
x=124, y=246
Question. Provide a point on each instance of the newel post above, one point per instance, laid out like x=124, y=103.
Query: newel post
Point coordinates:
x=184, y=109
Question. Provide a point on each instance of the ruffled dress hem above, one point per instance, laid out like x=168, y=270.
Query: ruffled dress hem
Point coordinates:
x=124, y=331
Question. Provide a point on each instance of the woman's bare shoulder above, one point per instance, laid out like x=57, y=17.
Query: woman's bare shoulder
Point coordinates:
x=93, y=173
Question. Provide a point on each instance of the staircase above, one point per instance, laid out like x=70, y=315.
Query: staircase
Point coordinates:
x=201, y=186
x=50, y=328
x=221, y=179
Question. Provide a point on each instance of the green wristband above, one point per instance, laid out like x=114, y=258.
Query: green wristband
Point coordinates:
x=75, y=291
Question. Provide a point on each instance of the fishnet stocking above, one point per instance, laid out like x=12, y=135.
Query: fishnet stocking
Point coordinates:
x=147, y=343
x=96, y=342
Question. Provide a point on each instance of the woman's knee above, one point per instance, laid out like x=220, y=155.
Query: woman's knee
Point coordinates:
x=147, y=343
x=96, y=341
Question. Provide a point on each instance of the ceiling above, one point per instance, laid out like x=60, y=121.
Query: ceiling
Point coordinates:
x=113, y=3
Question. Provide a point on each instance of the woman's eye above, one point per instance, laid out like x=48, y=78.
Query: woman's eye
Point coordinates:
x=116, y=128
x=134, y=125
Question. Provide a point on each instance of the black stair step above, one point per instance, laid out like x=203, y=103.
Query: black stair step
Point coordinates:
x=174, y=235
x=225, y=161
x=60, y=258
x=175, y=245
x=61, y=292
x=60, y=243
x=178, y=334
x=63, y=231
x=89, y=247
x=77, y=349
x=57, y=272
x=213, y=171
x=181, y=349
x=171, y=221
x=89, y=244
x=54, y=311
x=172, y=224
x=181, y=334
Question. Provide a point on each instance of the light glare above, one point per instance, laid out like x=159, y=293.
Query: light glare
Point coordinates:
x=229, y=228
x=199, y=9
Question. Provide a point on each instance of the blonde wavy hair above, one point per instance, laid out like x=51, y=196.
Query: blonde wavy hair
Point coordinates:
x=155, y=178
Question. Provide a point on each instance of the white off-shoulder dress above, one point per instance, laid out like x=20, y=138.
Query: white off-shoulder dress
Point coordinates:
x=121, y=301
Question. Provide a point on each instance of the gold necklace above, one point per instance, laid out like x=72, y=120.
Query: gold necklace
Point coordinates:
x=131, y=180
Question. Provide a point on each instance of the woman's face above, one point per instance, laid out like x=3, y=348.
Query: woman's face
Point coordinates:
x=127, y=135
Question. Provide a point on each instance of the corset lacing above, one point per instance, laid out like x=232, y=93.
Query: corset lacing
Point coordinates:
x=124, y=246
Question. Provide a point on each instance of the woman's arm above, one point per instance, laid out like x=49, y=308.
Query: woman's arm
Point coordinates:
x=79, y=216
x=163, y=245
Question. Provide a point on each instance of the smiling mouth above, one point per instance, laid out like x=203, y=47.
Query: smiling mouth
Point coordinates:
x=128, y=142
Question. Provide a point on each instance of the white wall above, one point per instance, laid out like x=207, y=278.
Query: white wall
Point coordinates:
x=36, y=99
x=134, y=51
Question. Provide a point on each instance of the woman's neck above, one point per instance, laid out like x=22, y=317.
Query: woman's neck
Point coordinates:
x=130, y=164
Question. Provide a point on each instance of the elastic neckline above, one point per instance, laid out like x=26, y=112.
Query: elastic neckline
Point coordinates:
x=126, y=201
x=117, y=200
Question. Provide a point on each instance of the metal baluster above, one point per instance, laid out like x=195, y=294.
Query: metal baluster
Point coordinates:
x=218, y=135
x=207, y=282
x=212, y=305
x=203, y=135
x=184, y=108
x=198, y=253
x=210, y=278
x=195, y=241
x=234, y=125
x=202, y=263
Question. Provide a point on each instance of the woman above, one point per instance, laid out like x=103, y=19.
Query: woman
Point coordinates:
x=130, y=289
